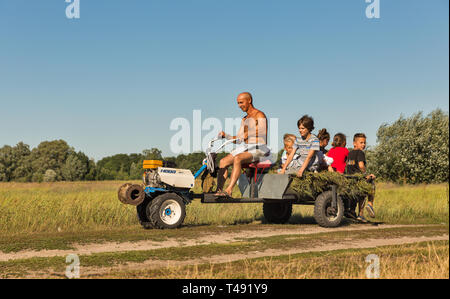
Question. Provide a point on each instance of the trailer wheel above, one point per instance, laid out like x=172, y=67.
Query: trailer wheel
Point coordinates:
x=166, y=211
x=324, y=214
x=277, y=213
x=142, y=213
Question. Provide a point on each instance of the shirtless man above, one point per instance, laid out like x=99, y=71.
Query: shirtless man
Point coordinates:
x=253, y=132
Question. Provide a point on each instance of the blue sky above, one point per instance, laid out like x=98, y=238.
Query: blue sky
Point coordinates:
x=113, y=80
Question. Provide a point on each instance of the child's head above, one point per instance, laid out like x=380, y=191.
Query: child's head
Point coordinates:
x=289, y=140
x=305, y=125
x=339, y=140
x=359, y=141
x=324, y=137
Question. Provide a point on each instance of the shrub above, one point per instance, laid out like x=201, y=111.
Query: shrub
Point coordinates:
x=413, y=150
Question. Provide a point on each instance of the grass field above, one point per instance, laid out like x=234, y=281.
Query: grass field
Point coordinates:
x=82, y=206
x=58, y=216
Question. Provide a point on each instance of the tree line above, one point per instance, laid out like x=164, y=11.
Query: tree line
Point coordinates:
x=57, y=161
x=411, y=150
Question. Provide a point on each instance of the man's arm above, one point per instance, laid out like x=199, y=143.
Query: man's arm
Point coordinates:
x=261, y=124
x=241, y=134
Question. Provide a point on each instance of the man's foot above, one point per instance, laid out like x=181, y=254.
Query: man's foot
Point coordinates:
x=222, y=194
x=362, y=219
x=370, y=210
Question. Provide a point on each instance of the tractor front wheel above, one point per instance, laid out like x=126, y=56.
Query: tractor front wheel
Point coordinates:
x=166, y=211
x=142, y=213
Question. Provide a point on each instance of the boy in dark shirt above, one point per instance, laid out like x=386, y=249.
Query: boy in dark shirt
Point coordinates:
x=356, y=163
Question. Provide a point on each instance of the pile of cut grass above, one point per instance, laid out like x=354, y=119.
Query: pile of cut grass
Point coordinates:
x=310, y=185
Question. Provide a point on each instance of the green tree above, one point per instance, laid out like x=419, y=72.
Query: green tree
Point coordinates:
x=49, y=155
x=74, y=169
x=49, y=176
x=413, y=150
x=92, y=171
x=14, y=162
x=136, y=171
x=152, y=154
x=192, y=161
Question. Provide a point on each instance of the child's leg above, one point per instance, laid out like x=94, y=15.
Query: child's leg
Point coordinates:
x=361, y=205
x=369, y=206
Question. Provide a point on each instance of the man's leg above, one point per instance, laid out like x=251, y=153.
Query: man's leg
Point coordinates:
x=222, y=173
x=237, y=166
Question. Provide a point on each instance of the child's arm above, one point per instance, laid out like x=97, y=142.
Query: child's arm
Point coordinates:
x=330, y=169
x=362, y=166
x=288, y=161
x=311, y=153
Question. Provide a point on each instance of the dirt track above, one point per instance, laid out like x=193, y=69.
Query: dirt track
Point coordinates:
x=225, y=238
x=154, y=264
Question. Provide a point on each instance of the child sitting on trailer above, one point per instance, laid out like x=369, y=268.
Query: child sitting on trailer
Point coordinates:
x=289, y=141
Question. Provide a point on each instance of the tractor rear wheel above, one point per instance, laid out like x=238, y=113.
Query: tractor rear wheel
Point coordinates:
x=277, y=213
x=324, y=214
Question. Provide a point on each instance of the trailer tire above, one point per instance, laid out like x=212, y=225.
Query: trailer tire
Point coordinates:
x=166, y=211
x=323, y=214
x=277, y=213
x=141, y=211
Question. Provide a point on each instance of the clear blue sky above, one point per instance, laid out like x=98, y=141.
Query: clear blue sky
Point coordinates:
x=112, y=81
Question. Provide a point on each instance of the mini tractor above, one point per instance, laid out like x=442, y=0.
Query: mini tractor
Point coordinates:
x=162, y=198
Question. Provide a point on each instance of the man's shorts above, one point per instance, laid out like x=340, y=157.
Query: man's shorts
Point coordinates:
x=258, y=151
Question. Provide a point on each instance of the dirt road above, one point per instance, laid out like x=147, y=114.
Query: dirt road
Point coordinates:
x=222, y=239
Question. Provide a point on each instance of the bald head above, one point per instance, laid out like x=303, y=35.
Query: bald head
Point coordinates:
x=245, y=101
x=246, y=95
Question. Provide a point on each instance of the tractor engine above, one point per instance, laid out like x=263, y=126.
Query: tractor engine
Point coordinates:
x=157, y=176
x=151, y=177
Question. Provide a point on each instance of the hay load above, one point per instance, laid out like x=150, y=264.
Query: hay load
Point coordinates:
x=310, y=185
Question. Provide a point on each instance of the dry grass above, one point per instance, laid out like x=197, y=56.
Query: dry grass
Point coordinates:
x=87, y=206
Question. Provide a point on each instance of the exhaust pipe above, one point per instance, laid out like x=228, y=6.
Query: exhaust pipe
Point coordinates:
x=131, y=194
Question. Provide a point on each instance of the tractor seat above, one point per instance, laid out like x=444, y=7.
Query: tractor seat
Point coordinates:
x=264, y=165
x=261, y=164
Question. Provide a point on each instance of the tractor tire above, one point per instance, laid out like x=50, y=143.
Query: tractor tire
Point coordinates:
x=142, y=214
x=323, y=213
x=131, y=194
x=277, y=213
x=166, y=211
